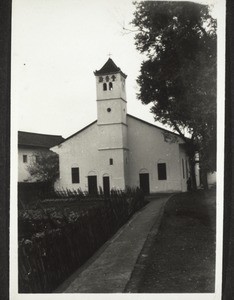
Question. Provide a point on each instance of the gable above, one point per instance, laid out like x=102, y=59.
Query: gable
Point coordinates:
x=168, y=135
x=80, y=137
x=76, y=133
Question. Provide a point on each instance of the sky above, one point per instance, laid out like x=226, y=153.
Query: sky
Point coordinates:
x=56, y=47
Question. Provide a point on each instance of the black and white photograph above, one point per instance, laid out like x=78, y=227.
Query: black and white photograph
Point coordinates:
x=117, y=149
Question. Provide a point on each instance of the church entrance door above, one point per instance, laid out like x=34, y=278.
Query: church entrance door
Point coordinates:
x=92, y=185
x=106, y=185
x=144, y=183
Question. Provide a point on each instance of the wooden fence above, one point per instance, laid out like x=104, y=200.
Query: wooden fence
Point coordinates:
x=48, y=257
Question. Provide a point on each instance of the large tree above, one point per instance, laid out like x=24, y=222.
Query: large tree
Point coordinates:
x=178, y=75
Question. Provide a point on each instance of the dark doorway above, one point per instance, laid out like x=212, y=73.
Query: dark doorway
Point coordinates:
x=144, y=183
x=106, y=185
x=162, y=171
x=92, y=185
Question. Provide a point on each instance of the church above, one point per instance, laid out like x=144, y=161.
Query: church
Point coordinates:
x=119, y=150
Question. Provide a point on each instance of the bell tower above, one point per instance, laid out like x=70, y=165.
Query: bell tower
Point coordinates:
x=111, y=94
x=112, y=119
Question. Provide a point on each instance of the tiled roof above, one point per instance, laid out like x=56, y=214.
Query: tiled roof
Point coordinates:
x=109, y=68
x=38, y=140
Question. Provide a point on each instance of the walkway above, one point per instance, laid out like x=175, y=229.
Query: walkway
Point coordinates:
x=109, y=270
x=181, y=257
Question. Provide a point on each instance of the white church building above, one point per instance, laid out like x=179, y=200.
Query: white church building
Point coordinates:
x=119, y=150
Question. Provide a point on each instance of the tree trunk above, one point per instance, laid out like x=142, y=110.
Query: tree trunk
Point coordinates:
x=204, y=178
x=191, y=154
x=192, y=174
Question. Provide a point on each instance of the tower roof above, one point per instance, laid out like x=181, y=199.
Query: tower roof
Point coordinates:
x=109, y=68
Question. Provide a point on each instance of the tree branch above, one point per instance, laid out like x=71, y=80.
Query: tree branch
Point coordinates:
x=179, y=131
x=202, y=30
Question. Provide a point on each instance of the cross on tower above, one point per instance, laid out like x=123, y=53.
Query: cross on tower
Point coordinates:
x=109, y=54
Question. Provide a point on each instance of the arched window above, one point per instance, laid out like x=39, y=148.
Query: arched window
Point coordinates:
x=110, y=86
x=104, y=86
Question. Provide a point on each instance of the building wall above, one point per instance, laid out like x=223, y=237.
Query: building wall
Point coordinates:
x=116, y=114
x=118, y=90
x=112, y=136
x=147, y=148
x=23, y=174
x=184, y=168
x=82, y=151
x=211, y=178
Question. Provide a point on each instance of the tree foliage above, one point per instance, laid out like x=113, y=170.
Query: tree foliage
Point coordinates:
x=45, y=167
x=178, y=75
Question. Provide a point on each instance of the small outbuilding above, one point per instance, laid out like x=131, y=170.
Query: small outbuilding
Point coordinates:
x=30, y=145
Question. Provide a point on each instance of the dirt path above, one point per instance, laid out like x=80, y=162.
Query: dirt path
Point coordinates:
x=181, y=257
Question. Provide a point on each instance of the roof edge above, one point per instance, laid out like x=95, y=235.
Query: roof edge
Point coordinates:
x=79, y=131
x=55, y=135
x=153, y=125
x=131, y=116
x=97, y=73
x=109, y=68
x=32, y=146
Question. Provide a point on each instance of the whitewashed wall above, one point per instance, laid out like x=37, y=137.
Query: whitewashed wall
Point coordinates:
x=82, y=151
x=23, y=174
x=211, y=178
x=147, y=148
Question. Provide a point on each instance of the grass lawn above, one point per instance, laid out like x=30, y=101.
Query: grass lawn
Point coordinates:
x=181, y=258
